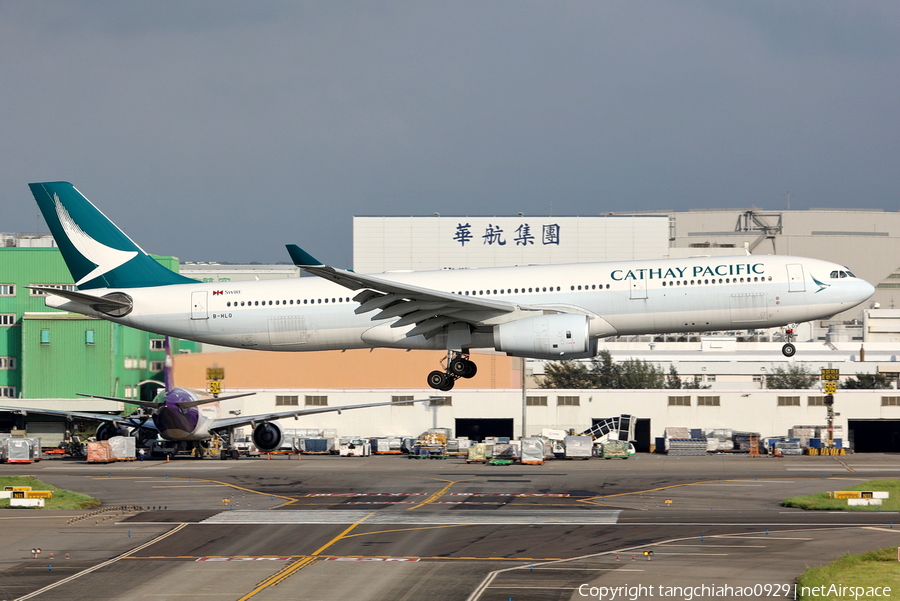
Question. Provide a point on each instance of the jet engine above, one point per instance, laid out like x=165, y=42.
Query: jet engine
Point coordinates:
x=107, y=430
x=556, y=336
x=267, y=437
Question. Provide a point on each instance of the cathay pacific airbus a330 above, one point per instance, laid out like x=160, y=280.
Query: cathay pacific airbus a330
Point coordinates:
x=541, y=312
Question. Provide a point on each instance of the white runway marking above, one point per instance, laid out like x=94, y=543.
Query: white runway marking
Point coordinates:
x=409, y=517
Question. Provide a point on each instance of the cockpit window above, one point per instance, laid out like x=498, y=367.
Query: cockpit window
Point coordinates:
x=841, y=274
x=834, y=275
x=849, y=274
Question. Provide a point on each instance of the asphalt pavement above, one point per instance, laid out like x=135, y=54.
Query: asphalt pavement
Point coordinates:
x=330, y=528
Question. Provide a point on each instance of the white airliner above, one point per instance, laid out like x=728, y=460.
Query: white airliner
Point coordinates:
x=542, y=312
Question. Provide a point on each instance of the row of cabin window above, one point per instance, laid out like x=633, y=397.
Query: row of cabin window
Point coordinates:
x=713, y=281
x=290, y=302
x=606, y=287
x=507, y=291
x=524, y=290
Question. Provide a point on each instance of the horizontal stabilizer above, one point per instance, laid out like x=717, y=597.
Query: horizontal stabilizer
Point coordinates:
x=148, y=404
x=199, y=402
x=86, y=299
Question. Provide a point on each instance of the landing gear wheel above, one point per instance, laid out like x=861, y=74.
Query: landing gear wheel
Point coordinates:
x=788, y=350
x=440, y=381
x=473, y=369
x=462, y=368
x=459, y=367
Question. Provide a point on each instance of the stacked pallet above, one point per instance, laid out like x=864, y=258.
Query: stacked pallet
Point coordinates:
x=682, y=447
x=742, y=441
x=804, y=433
x=788, y=447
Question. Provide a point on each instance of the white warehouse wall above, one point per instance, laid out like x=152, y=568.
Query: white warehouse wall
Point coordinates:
x=743, y=410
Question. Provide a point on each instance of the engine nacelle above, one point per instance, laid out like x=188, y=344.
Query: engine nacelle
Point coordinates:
x=107, y=430
x=267, y=437
x=556, y=336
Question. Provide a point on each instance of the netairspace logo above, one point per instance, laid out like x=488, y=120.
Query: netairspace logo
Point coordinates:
x=690, y=593
x=846, y=592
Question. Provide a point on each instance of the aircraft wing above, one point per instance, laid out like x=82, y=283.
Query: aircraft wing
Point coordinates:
x=233, y=422
x=134, y=422
x=154, y=404
x=429, y=309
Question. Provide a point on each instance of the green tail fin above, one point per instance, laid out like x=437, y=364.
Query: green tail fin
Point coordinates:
x=97, y=253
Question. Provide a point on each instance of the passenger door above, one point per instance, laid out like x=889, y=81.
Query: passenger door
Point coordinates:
x=198, y=305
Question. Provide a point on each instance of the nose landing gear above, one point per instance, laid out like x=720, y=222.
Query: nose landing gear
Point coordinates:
x=789, y=350
x=458, y=366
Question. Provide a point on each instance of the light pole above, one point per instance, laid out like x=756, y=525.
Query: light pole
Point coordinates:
x=524, y=400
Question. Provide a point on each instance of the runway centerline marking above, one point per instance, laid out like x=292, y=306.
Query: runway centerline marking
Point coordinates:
x=293, y=568
x=438, y=494
x=343, y=534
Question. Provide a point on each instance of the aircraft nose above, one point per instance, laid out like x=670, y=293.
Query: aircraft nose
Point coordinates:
x=864, y=290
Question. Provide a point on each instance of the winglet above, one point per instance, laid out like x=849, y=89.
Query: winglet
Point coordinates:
x=301, y=258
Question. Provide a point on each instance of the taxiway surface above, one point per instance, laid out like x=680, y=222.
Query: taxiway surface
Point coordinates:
x=330, y=528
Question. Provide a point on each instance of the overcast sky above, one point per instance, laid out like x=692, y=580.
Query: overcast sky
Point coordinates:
x=219, y=131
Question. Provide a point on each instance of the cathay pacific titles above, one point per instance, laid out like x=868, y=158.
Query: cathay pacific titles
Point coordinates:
x=696, y=271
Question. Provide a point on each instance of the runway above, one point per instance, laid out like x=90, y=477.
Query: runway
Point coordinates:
x=331, y=528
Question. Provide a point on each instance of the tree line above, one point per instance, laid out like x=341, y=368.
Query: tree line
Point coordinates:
x=631, y=374
x=604, y=372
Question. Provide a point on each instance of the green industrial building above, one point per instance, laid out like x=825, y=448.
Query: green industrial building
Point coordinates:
x=51, y=354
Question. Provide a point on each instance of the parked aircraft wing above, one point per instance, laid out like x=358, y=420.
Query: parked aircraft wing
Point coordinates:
x=154, y=404
x=115, y=419
x=233, y=422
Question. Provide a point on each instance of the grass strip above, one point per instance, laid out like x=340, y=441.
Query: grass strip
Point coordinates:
x=62, y=499
x=853, y=577
x=820, y=500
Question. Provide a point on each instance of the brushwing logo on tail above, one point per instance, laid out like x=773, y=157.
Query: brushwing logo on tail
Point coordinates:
x=104, y=257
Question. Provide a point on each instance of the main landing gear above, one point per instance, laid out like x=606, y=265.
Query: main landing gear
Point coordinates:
x=789, y=350
x=458, y=366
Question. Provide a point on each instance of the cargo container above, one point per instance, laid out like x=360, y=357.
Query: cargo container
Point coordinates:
x=578, y=447
x=476, y=453
x=16, y=450
x=355, y=447
x=504, y=451
x=380, y=446
x=615, y=449
x=99, y=452
x=532, y=452
x=122, y=448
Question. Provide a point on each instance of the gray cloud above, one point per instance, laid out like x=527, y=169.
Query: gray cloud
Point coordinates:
x=222, y=130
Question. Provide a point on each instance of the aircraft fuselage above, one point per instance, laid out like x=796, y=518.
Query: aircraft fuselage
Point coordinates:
x=623, y=298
